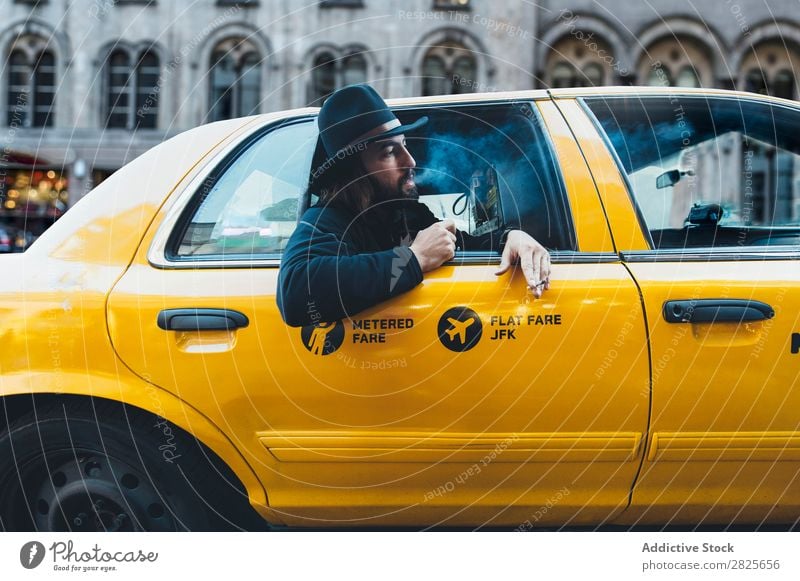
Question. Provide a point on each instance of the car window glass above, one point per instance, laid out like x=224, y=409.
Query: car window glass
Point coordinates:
x=708, y=172
x=488, y=168
x=251, y=209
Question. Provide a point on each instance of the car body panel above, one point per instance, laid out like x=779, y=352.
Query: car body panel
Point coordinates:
x=57, y=343
x=57, y=294
x=310, y=425
x=300, y=417
x=724, y=428
x=723, y=433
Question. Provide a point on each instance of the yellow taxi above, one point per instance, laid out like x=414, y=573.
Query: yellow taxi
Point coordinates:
x=149, y=383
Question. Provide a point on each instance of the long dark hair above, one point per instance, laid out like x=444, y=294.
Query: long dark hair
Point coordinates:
x=342, y=180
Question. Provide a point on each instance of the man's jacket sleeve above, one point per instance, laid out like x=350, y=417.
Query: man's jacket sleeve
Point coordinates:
x=322, y=279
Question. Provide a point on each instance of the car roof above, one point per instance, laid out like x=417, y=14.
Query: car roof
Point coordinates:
x=642, y=91
x=468, y=98
x=565, y=93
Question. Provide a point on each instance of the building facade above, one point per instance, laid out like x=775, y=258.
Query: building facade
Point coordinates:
x=87, y=85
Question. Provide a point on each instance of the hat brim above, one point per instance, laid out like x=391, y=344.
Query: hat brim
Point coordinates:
x=399, y=130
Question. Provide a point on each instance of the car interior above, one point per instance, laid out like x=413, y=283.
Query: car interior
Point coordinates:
x=707, y=172
x=489, y=168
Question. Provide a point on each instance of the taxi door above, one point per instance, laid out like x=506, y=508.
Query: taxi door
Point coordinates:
x=463, y=401
x=720, y=297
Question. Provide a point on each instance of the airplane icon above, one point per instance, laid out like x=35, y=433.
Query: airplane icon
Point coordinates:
x=460, y=328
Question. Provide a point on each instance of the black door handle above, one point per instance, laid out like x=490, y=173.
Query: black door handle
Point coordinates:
x=716, y=311
x=201, y=320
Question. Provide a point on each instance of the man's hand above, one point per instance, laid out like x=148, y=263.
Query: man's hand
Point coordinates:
x=435, y=245
x=533, y=257
x=449, y=225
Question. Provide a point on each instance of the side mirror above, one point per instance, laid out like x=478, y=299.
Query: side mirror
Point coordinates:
x=668, y=179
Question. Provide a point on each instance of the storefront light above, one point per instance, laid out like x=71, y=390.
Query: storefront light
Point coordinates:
x=34, y=192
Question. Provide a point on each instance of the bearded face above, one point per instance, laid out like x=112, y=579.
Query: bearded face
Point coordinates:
x=390, y=168
x=404, y=188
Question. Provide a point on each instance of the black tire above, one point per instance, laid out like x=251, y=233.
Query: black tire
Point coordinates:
x=95, y=465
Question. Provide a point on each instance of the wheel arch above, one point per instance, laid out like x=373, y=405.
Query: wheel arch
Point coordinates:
x=158, y=404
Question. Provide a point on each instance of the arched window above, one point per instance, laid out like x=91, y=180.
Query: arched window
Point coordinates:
x=20, y=78
x=563, y=75
x=119, y=70
x=147, y=73
x=354, y=70
x=464, y=68
x=332, y=70
x=687, y=77
x=570, y=63
x=449, y=68
x=323, y=77
x=31, y=83
x=235, y=80
x=434, y=76
x=768, y=68
x=677, y=60
x=783, y=84
x=132, y=89
x=659, y=77
x=592, y=75
x=755, y=82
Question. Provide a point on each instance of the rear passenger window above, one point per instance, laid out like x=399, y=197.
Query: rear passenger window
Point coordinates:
x=251, y=207
x=485, y=167
x=708, y=172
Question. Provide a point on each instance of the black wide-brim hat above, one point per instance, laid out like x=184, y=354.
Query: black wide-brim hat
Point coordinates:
x=355, y=116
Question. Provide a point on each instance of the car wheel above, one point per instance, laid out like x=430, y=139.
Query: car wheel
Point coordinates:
x=94, y=467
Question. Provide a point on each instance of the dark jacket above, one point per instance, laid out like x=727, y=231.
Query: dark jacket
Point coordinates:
x=337, y=264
